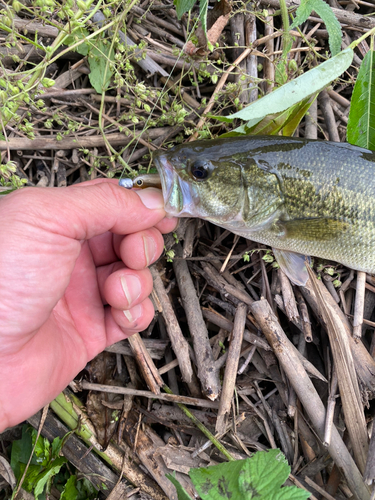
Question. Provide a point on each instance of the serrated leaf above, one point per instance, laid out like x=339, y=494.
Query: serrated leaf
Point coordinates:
x=361, y=120
x=260, y=478
x=293, y=92
x=181, y=492
x=325, y=12
x=302, y=13
x=218, y=482
x=183, y=6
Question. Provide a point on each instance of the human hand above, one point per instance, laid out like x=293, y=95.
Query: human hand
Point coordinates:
x=65, y=253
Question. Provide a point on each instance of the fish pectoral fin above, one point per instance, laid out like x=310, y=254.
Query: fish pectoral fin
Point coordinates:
x=294, y=265
x=314, y=229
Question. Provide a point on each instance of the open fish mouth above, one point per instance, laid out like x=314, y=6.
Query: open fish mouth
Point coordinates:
x=180, y=197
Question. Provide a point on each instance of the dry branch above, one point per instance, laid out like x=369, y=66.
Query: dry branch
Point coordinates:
x=347, y=378
x=205, y=362
x=179, y=343
x=231, y=368
x=306, y=392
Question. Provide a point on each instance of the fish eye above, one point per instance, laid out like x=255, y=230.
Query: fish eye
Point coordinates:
x=199, y=170
x=139, y=182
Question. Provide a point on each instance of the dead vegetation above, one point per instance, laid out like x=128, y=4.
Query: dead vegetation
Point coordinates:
x=259, y=363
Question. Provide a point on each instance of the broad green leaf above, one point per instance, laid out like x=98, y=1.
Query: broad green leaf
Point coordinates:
x=361, y=120
x=70, y=491
x=31, y=475
x=218, y=482
x=325, y=12
x=21, y=451
x=79, y=34
x=183, y=6
x=42, y=479
x=101, y=72
x=263, y=476
x=181, y=492
x=78, y=490
x=100, y=58
x=293, y=92
x=287, y=120
x=260, y=478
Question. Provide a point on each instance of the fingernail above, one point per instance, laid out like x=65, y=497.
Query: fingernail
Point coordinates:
x=151, y=198
x=132, y=287
x=133, y=314
x=150, y=249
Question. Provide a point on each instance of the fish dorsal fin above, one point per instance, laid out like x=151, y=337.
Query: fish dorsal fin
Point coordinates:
x=294, y=265
x=314, y=229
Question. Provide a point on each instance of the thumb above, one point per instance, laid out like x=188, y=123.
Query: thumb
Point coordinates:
x=89, y=209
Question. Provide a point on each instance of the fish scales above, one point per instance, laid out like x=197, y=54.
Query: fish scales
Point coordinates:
x=299, y=196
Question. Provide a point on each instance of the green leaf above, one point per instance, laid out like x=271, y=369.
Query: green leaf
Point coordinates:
x=21, y=451
x=181, y=492
x=287, y=120
x=41, y=448
x=281, y=68
x=86, y=489
x=57, y=444
x=203, y=7
x=264, y=474
x=260, y=478
x=70, y=491
x=298, y=111
x=101, y=72
x=183, y=6
x=46, y=476
x=219, y=481
x=293, y=92
x=361, y=120
x=325, y=12
x=31, y=476
x=79, y=34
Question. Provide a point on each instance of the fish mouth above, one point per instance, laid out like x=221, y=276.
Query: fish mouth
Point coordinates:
x=180, y=197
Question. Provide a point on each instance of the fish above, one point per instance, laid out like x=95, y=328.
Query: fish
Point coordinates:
x=302, y=197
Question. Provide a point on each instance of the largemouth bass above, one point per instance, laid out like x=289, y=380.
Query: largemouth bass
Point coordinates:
x=301, y=197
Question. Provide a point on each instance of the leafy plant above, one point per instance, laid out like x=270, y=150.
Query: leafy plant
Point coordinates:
x=297, y=91
x=183, y=6
x=325, y=12
x=361, y=130
x=260, y=477
x=46, y=468
x=100, y=57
